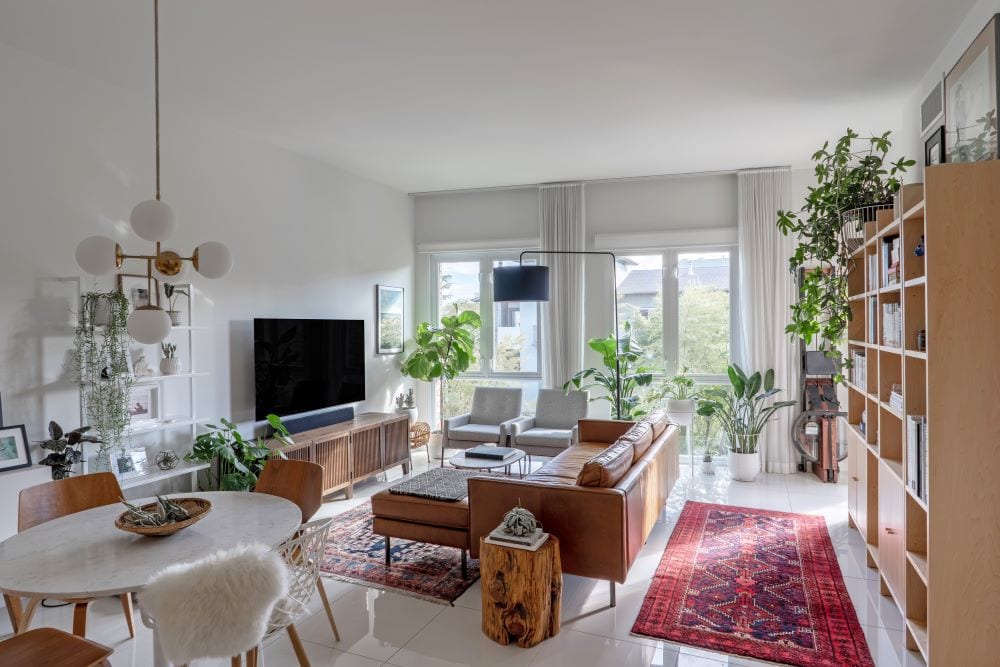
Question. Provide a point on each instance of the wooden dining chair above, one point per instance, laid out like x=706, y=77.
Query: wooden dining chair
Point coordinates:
x=302, y=483
x=49, y=647
x=51, y=500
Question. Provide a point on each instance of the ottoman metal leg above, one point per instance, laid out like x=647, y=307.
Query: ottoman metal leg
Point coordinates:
x=388, y=556
x=465, y=565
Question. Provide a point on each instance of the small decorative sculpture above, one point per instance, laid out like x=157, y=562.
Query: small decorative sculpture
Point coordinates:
x=410, y=400
x=167, y=460
x=920, y=250
x=141, y=367
x=520, y=522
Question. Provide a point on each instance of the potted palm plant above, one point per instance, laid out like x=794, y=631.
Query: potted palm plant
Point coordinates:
x=680, y=396
x=743, y=411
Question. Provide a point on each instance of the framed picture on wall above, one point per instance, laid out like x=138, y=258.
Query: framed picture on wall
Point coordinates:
x=14, y=452
x=142, y=407
x=972, y=95
x=934, y=148
x=389, y=316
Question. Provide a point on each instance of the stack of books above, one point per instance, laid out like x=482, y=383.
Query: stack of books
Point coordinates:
x=892, y=325
x=872, y=271
x=872, y=318
x=916, y=455
x=896, y=397
x=859, y=369
x=529, y=542
x=491, y=452
x=890, y=260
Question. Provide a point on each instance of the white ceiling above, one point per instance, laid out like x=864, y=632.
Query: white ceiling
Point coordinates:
x=441, y=94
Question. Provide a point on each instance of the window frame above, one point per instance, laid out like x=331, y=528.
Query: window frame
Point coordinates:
x=485, y=260
x=671, y=306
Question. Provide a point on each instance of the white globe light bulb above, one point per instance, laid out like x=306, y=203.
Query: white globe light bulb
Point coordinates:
x=213, y=259
x=148, y=324
x=97, y=255
x=153, y=220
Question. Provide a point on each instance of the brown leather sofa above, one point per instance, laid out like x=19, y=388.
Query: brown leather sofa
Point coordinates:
x=601, y=497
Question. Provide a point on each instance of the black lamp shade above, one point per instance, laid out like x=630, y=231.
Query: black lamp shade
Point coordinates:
x=520, y=283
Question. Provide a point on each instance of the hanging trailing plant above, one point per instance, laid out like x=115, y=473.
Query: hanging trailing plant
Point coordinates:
x=854, y=174
x=103, y=368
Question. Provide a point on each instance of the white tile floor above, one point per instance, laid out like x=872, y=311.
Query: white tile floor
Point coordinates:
x=379, y=628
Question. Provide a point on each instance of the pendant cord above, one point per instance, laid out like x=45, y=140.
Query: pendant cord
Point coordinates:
x=156, y=86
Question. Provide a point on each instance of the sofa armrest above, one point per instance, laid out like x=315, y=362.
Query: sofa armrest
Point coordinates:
x=575, y=435
x=602, y=430
x=520, y=425
x=506, y=428
x=453, y=422
x=590, y=522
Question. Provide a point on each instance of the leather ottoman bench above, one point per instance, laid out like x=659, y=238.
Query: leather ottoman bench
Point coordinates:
x=417, y=510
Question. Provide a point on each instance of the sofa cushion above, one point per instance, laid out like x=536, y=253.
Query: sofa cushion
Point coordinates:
x=494, y=405
x=546, y=437
x=641, y=437
x=475, y=433
x=658, y=420
x=565, y=468
x=558, y=409
x=606, y=468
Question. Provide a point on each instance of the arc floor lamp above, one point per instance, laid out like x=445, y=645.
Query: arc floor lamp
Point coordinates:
x=530, y=282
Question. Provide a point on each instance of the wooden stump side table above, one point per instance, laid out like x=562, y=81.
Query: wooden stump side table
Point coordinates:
x=522, y=592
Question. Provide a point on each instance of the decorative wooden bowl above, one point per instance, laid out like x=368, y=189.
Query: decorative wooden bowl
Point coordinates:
x=196, y=507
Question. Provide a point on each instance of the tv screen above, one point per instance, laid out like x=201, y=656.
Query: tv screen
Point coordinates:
x=303, y=365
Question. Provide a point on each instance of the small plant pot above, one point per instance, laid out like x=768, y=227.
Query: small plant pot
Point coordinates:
x=707, y=467
x=175, y=317
x=744, y=467
x=171, y=366
x=681, y=411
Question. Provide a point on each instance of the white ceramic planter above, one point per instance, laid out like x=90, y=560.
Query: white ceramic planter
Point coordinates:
x=410, y=412
x=681, y=412
x=170, y=366
x=175, y=317
x=707, y=467
x=744, y=467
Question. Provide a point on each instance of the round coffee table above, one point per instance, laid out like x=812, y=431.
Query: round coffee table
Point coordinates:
x=464, y=462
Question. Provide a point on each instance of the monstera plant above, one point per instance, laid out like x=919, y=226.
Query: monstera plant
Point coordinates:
x=443, y=352
x=852, y=174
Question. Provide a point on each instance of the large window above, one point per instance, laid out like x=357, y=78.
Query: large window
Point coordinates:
x=507, y=346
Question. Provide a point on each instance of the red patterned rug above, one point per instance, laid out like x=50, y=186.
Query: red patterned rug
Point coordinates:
x=354, y=553
x=755, y=583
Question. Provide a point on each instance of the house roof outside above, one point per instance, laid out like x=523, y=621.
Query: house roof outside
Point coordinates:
x=711, y=272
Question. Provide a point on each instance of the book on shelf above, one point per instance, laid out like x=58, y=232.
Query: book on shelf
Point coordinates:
x=491, y=452
x=871, y=320
x=890, y=260
x=872, y=272
x=896, y=397
x=892, y=325
x=859, y=369
x=916, y=455
x=530, y=542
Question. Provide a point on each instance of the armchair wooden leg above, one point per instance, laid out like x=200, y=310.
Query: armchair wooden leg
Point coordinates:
x=126, y=599
x=253, y=656
x=300, y=650
x=326, y=605
x=236, y=661
x=80, y=609
x=13, y=605
x=27, y=614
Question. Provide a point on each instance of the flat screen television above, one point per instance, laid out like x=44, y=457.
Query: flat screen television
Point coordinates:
x=303, y=365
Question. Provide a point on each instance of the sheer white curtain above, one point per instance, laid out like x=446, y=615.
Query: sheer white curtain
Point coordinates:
x=562, y=317
x=767, y=291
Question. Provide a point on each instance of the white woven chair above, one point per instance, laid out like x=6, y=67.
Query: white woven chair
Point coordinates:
x=302, y=554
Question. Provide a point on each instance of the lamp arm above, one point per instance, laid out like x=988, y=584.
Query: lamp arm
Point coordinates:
x=614, y=295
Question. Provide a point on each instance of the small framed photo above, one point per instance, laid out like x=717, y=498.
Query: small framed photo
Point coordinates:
x=139, y=297
x=934, y=148
x=14, y=451
x=389, y=312
x=131, y=463
x=143, y=406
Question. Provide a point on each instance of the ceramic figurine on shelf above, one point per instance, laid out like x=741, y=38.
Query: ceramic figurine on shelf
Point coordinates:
x=919, y=251
x=141, y=367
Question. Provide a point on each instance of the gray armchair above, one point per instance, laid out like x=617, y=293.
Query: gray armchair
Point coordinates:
x=554, y=426
x=493, y=409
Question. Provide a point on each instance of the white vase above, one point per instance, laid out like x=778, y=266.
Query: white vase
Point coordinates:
x=681, y=411
x=175, y=317
x=171, y=366
x=409, y=412
x=744, y=467
x=707, y=467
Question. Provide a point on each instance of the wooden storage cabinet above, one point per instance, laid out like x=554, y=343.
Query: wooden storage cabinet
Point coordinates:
x=891, y=550
x=354, y=450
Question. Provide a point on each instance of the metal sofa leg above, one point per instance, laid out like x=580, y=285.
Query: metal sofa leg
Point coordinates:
x=465, y=565
x=612, y=596
x=388, y=556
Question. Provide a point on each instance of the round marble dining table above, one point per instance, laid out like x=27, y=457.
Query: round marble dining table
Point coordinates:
x=84, y=555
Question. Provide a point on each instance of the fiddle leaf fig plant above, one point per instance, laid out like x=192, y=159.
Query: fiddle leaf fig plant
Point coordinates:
x=852, y=174
x=443, y=352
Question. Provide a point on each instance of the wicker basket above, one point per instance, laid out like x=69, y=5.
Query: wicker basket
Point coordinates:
x=420, y=434
x=196, y=507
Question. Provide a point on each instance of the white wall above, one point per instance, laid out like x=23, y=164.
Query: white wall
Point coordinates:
x=76, y=155
x=910, y=142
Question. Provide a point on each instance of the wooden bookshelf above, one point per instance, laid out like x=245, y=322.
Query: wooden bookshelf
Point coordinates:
x=936, y=558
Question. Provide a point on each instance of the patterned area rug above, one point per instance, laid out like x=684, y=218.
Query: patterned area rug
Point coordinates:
x=756, y=583
x=354, y=553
